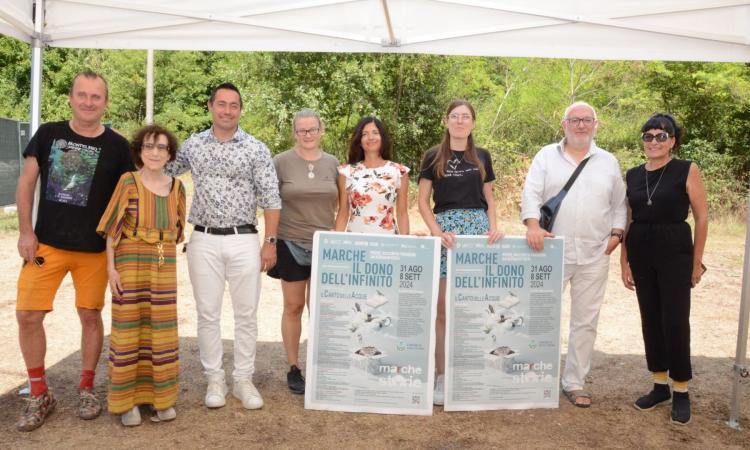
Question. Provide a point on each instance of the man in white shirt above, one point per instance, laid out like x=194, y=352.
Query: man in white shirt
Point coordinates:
x=592, y=219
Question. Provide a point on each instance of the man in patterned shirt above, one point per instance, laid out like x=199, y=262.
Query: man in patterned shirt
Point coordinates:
x=233, y=174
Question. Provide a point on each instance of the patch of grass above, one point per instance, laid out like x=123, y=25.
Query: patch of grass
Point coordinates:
x=727, y=225
x=8, y=222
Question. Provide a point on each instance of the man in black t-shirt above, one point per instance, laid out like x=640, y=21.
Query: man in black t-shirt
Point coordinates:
x=78, y=163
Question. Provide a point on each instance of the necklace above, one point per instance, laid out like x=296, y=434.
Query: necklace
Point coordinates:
x=310, y=165
x=650, y=194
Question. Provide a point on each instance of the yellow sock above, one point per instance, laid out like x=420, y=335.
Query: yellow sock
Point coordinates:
x=660, y=377
x=679, y=386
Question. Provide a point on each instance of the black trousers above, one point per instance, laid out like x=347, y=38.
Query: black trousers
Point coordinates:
x=661, y=259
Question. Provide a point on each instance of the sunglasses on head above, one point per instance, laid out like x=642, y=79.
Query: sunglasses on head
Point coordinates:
x=660, y=137
x=38, y=260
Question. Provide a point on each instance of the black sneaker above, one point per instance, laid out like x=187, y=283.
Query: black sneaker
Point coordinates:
x=681, y=408
x=660, y=394
x=295, y=380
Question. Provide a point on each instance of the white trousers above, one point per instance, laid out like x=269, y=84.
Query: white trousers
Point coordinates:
x=213, y=261
x=587, y=285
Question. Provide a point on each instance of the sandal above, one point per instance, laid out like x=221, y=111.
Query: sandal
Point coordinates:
x=576, y=394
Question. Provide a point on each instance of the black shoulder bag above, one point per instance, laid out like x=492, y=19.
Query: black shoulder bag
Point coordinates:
x=549, y=209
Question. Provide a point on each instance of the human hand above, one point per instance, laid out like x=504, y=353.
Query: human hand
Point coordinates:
x=627, y=276
x=27, y=245
x=447, y=238
x=115, y=285
x=267, y=256
x=535, y=237
x=612, y=244
x=494, y=236
x=698, y=271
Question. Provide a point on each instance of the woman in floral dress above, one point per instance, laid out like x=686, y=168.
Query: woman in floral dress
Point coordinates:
x=373, y=190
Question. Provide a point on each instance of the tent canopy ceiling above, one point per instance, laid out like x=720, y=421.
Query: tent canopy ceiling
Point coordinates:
x=707, y=30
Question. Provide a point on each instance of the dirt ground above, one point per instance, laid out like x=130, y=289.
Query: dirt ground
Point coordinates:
x=618, y=376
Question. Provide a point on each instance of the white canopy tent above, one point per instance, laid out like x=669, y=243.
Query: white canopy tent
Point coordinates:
x=697, y=30
x=713, y=30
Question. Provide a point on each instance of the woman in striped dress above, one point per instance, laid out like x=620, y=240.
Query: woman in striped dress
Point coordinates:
x=142, y=224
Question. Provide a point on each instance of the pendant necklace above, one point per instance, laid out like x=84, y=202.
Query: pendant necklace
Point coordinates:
x=650, y=194
x=310, y=165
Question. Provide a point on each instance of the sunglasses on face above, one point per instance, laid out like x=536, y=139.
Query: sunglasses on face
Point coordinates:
x=38, y=260
x=660, y=137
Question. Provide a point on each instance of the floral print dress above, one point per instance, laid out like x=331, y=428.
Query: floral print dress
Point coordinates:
x=372, y=196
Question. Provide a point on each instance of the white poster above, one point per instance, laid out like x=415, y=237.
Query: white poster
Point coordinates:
x=371, y=342
x=503, y=324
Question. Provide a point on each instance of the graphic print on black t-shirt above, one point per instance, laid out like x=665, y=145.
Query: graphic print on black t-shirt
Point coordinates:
x=461, y=186
x=71, y=169
x=457, y=167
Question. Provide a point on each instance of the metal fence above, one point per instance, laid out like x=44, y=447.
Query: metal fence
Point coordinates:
x=14, y=136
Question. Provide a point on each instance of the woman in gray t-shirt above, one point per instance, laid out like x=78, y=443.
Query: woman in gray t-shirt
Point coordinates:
x=307, y=183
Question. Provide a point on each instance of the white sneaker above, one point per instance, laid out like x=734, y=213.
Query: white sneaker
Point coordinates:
x=216, y=392
x=164, y=415
x=131, y=418
x=245, y=391
x=438, y=395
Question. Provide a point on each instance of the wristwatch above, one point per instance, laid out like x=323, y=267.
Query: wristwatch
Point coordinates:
x=617, y=235
x=272, y=240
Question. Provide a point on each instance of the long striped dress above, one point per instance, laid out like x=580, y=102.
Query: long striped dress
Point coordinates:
x=143, y=345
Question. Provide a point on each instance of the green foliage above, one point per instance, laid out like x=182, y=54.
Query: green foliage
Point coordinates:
x=712, y=101
x=519, y=101
x=726, y=195
x=15, y=74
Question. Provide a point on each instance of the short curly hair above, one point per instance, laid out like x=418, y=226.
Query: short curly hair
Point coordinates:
x=136, y=145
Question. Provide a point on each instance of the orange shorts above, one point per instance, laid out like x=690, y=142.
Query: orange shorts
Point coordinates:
x=37, y=285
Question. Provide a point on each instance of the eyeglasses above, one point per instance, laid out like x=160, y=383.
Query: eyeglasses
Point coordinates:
x=151, y=146
x=303, y=132
x=465, y=117
x=660, y=137
x=575, y=121
x=38, y=260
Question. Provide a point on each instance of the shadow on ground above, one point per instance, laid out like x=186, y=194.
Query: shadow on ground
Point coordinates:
x=615, y=381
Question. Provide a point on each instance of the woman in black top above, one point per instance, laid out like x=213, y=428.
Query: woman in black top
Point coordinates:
x=459, y=176
x=662, y=262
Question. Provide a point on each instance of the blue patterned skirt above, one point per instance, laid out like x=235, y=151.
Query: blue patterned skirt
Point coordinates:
x=460, y=221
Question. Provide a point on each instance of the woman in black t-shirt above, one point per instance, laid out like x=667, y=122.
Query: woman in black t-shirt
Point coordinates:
x=460, y=177
x=660, y=261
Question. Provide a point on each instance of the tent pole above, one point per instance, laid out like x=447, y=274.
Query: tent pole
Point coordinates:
x=392, y=41
x=740, y=369
x=37, y=46
x=149, y=86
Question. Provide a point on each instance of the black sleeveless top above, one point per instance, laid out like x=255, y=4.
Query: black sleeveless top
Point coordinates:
x=667, y=189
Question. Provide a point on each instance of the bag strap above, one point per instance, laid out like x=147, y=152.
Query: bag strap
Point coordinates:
x=573, y=177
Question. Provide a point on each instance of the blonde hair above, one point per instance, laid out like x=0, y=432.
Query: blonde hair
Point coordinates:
x=305, y=114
